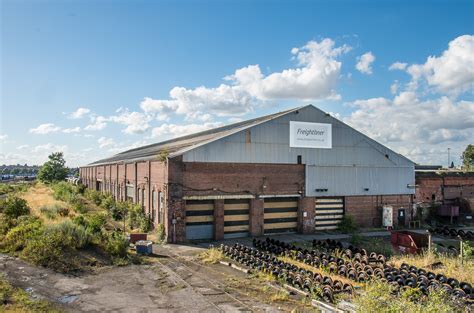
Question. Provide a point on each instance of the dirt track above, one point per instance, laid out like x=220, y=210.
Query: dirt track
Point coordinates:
x=170, y=284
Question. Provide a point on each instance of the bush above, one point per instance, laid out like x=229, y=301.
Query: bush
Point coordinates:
x=96, y=221
x=14, y=206
x=73, y=235
x=51, y=212
x=80, y=220
x=79, y=206
x=135, y=216
x=94, y=196
x=17, y=238
x=63, y=191
x=347, y=224
x=116, y=244
x=119, y=210
x=160, y=233
x=48, y=251
x=107, y=203
x=6, y=188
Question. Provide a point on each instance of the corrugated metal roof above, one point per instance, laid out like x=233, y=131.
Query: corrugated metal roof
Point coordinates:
x=180, y=145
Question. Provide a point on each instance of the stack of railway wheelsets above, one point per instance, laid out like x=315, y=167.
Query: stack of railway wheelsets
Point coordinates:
x=407, y=276
x=293, y=275
x=452, y=232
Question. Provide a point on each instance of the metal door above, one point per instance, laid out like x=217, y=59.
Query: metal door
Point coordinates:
x=401, y=217
x=199, y=219
x=236, y=218
x=328, y=213
x=280, y=215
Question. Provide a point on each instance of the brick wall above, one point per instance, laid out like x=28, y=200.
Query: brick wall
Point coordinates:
x=437, y=187
x=225, y=178
x=367, y=210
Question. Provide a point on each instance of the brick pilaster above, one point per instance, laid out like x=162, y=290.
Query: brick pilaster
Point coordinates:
x=218, y=219
x=306, y=213
x=256, y=217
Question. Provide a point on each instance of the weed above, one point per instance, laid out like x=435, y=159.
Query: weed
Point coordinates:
x=72, y=235
x=52, y=211
x=17, y=300
x=96, y=222
x=347, y=224
x=116, y=244
x=211, y=256
x=356, y=239
x=279, y=296
x=160, y=233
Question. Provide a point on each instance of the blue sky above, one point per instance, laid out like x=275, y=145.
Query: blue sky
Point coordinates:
x=138, y=72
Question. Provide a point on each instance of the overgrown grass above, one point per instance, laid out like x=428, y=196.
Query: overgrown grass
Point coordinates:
x=211, y=256
x=451, y=265
x=53, y=211
x=17, y=300
x=380, y=297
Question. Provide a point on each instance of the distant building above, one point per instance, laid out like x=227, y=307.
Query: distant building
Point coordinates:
x=299, y=170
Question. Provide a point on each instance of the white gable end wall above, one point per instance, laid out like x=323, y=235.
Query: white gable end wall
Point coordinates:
x=354, y=164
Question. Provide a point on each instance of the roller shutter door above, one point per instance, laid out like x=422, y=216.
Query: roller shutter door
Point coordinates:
x=328, y=213
x=280, y=215
x=199, y=219
x=236, y=218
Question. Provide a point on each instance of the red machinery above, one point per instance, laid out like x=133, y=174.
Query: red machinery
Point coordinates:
x=408, y=242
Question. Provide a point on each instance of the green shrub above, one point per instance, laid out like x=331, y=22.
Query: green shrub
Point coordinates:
x=18, y=237
x=51, y=212
x=119, y=210
x=356, y=239
x=347, y=224
x=96, y=221
x=63, y=191
x=79, y=206
x=135, y=216
x=80, y=220
x=81, y=188
x=380, y=297
x=6, y=223
x=6, y=188
x=107, y=202
x=116, y=244
x=94, y=196
x=49, y=251
x=14, y=206
x=160, y=233
x=72, y=235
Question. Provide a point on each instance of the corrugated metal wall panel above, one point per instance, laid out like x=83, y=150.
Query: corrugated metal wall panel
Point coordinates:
x=363, y=162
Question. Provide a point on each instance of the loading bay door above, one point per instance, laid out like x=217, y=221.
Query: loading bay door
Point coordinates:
x=236, y=218
x=328, y=213
x=199, y=219
x=280, y=215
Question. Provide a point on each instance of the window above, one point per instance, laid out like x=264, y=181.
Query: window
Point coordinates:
x=161, y=218
x=300, y=159
x=130, y=193
x=153, y=205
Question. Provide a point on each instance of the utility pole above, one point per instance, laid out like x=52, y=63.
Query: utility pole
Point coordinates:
x=449, y=157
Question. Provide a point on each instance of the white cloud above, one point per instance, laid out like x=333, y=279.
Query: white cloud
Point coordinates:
x=23, y=147
x=398, y=66
x=45, y=129
x=408, y=124
x=314, y=77
x=72, y=130
x=3, y=138
x=394, y=87
x=49, y=148
x=97, y=123
x=452, y=72
x=106, y=142
x=79, y=113
x=136, y=122
x=172, y=130
x=364, y=64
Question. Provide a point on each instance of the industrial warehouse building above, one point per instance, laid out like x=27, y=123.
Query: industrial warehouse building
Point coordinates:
x=299, y=170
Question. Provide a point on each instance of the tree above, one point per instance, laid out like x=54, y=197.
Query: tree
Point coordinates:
x=54, y=169
x=468, y=158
